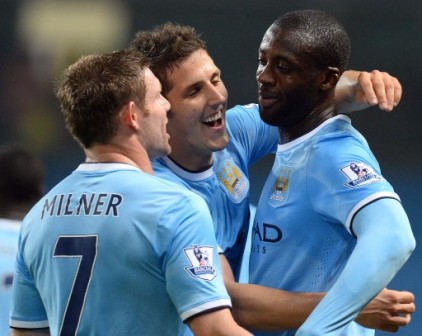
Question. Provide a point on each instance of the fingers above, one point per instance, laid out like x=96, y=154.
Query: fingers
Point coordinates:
x=367, y=87
x=401, y=308
x=388, y=90
x=397, y=91
x=397, y=296
x=389, y=310
x=404, y=297
x=380, y=88
x=396, y=322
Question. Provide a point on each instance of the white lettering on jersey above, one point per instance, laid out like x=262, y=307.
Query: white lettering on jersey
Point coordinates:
x=94, y=204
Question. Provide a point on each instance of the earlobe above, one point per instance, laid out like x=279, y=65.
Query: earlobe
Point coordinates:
x=332, y=76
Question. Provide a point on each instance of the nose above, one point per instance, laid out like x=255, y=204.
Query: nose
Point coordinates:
x=264, y=75
x=166, y=104
x=217, y=94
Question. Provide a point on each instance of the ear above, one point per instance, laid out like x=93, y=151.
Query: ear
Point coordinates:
x=331, y=77
x=130, y=115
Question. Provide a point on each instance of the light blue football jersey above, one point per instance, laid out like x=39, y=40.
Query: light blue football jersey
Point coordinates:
x=114, y=251
x=302, y=235
x=9, y=234
x=225, y=185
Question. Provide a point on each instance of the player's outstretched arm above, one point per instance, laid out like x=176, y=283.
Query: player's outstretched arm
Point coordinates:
x=268, y=309
x=358, y=90
x=384, y=243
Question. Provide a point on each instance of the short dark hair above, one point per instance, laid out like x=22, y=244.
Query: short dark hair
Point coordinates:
x=21, y=178
x=322, y=33
x=92, y=91
x=166, y=46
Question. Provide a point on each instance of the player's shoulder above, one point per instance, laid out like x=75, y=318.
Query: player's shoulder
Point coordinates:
x=168, y=170
x=340, y=125
x=337, y=134
x=244, y=119
x=336, y=144
x=178, y=190
x=252, y=107
x=243, y=111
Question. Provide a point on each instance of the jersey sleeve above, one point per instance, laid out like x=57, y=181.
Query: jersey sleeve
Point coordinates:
x=249, y=132
x=344, y=177
x=27, y=308
x=385, y=241
x=192, y=269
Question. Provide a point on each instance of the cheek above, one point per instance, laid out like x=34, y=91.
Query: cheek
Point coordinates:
x=223, y=90
x=176, y=127
x=184, y=118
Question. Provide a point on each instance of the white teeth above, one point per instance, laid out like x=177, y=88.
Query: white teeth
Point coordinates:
x=214, y=117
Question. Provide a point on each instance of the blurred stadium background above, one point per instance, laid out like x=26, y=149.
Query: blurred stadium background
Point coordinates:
x=39, y=38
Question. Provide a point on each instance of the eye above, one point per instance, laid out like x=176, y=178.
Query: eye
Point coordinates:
x=193, y=91
x=283, y=66
x=262, y=61
x=216, y=79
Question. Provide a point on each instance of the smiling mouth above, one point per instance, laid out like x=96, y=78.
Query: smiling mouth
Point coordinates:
x=214, y=120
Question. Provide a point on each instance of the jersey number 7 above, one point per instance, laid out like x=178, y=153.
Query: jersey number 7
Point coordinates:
x=84, y=248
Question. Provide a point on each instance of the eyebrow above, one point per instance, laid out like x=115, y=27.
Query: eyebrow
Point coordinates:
x=285, y=57
x=190, y=87
x=216, y=73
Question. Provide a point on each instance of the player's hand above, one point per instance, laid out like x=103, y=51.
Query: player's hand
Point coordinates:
x=357, y=90
x=388, y=311
x=379, y=88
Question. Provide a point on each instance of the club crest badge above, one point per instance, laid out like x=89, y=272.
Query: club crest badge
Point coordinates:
x=359, y=174
x=201, y=262
x=232, y=178
x=281, y=184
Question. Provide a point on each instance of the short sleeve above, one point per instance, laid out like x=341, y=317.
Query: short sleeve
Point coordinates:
x=27, y=308
x=192, y=268
x=343, y=178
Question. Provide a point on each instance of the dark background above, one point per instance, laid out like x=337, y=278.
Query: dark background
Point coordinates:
x=38, y=39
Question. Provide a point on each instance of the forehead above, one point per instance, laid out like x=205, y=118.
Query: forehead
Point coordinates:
x=152, y=83
x=197, y=67
x=284, y=43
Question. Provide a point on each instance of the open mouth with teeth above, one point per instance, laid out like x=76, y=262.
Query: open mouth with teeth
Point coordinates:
x=214, y=120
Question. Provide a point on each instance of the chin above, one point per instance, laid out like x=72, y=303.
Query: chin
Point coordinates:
x=268, y=120
x=219, y=145
x=160, y=152
x=224, y=141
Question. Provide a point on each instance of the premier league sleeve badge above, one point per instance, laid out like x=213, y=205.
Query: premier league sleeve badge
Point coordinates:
x=201, y=262
x=359, y=174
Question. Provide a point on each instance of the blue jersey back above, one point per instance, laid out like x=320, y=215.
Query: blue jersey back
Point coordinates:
x=112, y=250
x=225, y=186
x=302, y=235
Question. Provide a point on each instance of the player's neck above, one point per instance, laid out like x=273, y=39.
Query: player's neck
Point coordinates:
x=190, y=162
x=108, y=153
x=315, y=118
